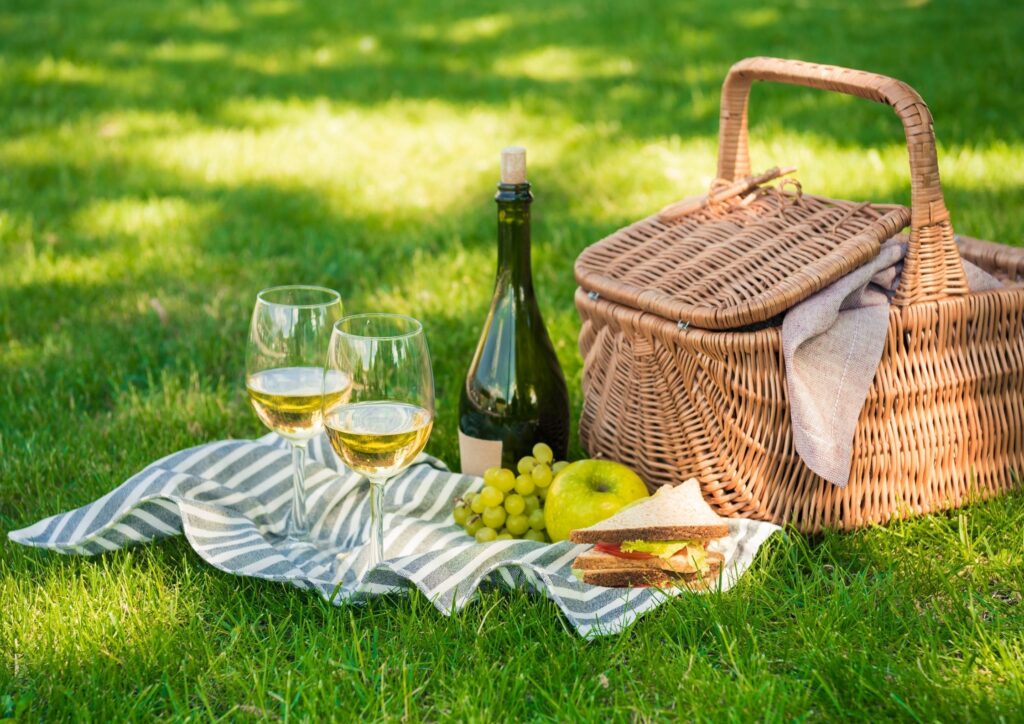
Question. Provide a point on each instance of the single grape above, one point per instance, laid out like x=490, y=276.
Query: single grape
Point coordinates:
x=504, y=480
x=541, y=475
x=532, y=503
x=494, y=517
x=461, y=514
x=525, y=484
x=467, y=499
x=559, y=466
x=491, y=496
x=490, y=474
x=517, y=524
x=525, y=465
x=477, y=506
x=504, y=536
x=537, y=535
x=536, y=520
x=543, y=453
x=486, y=535
x=474, y=524
x=514, y=504
x=542, y=493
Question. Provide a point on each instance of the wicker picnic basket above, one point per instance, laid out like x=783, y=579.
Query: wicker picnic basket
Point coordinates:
x=683, y=368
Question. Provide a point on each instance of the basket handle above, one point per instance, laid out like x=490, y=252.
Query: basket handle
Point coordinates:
x=932, y=269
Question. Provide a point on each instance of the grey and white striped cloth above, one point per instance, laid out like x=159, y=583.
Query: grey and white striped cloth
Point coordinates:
x=231, y=500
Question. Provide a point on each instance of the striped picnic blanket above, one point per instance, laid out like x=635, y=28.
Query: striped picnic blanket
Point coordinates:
x=231, y=500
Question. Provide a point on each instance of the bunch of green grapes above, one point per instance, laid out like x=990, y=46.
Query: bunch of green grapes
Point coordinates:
x=511, y=506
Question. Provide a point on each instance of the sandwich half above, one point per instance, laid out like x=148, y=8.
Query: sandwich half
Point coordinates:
x=658, y=541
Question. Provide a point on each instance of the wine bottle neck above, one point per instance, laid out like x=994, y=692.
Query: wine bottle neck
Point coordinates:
x=514, y=235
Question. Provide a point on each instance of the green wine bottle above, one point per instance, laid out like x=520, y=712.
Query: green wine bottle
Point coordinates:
x=515, y=394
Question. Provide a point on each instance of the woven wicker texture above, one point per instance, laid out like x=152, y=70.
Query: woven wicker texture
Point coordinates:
x=1006, y=263
x=943, y=421
x=740, y=261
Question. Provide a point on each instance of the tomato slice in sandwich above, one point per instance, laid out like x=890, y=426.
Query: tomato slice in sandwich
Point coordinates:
x=614, y=550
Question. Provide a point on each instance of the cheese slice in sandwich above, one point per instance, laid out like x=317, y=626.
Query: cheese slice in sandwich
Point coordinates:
x=661, y=541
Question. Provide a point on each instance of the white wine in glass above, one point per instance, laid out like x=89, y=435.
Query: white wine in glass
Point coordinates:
x=285, y=375
x=387, y=418
x=379, y=439
x=290, y=400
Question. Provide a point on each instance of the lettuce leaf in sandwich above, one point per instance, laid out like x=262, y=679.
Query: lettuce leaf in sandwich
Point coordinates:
x=668, y=548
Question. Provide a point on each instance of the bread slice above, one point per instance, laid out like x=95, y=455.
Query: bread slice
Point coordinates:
x=622, y=577
x=594, y=560
x=673, y=513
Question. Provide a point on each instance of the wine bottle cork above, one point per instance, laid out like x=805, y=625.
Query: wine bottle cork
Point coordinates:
x=513, y=165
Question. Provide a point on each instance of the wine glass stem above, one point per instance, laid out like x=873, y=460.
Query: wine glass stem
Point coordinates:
x=298, y=523
x=376, y=521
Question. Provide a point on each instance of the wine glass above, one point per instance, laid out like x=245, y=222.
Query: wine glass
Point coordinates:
x=385, y=422
x=284, y=375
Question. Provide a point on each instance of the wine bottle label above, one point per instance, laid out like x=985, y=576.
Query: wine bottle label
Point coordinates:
x=477, y=455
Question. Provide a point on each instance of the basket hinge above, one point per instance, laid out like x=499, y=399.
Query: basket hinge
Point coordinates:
x=682, y=326
x=593, y=296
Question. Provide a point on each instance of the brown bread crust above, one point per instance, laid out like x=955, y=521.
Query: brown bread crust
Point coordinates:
x=651, y=533
x=623, y=577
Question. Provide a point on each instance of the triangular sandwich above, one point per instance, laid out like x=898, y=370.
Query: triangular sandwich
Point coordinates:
x=661, y=540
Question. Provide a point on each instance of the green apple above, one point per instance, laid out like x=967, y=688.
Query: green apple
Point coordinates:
x=587, y=492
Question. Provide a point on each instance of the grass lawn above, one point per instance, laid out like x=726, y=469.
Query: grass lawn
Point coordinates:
x=161, y=161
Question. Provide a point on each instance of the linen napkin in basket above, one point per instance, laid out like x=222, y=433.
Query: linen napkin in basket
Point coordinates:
x=231, y=499
x=832, y=343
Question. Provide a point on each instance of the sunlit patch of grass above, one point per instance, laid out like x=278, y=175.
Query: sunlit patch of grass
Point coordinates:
x=95, y=270
x=131, y=124
x=146, y=220
x=448, y=286
x=483, y=27
x=51, y=636
x=203, y=51
x=759, y=18
x=214, y=17
x=63, y=70
x=555, y=63
x=270, y=8
x=403, y=159
x=161, y=233
x=636, y=178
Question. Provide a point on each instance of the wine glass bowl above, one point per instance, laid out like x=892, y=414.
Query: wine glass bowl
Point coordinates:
x=290, y=400
x=385, y=420
x=379, y=439
x=285, y=377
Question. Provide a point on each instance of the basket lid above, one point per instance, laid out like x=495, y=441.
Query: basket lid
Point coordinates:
x=737, y=257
